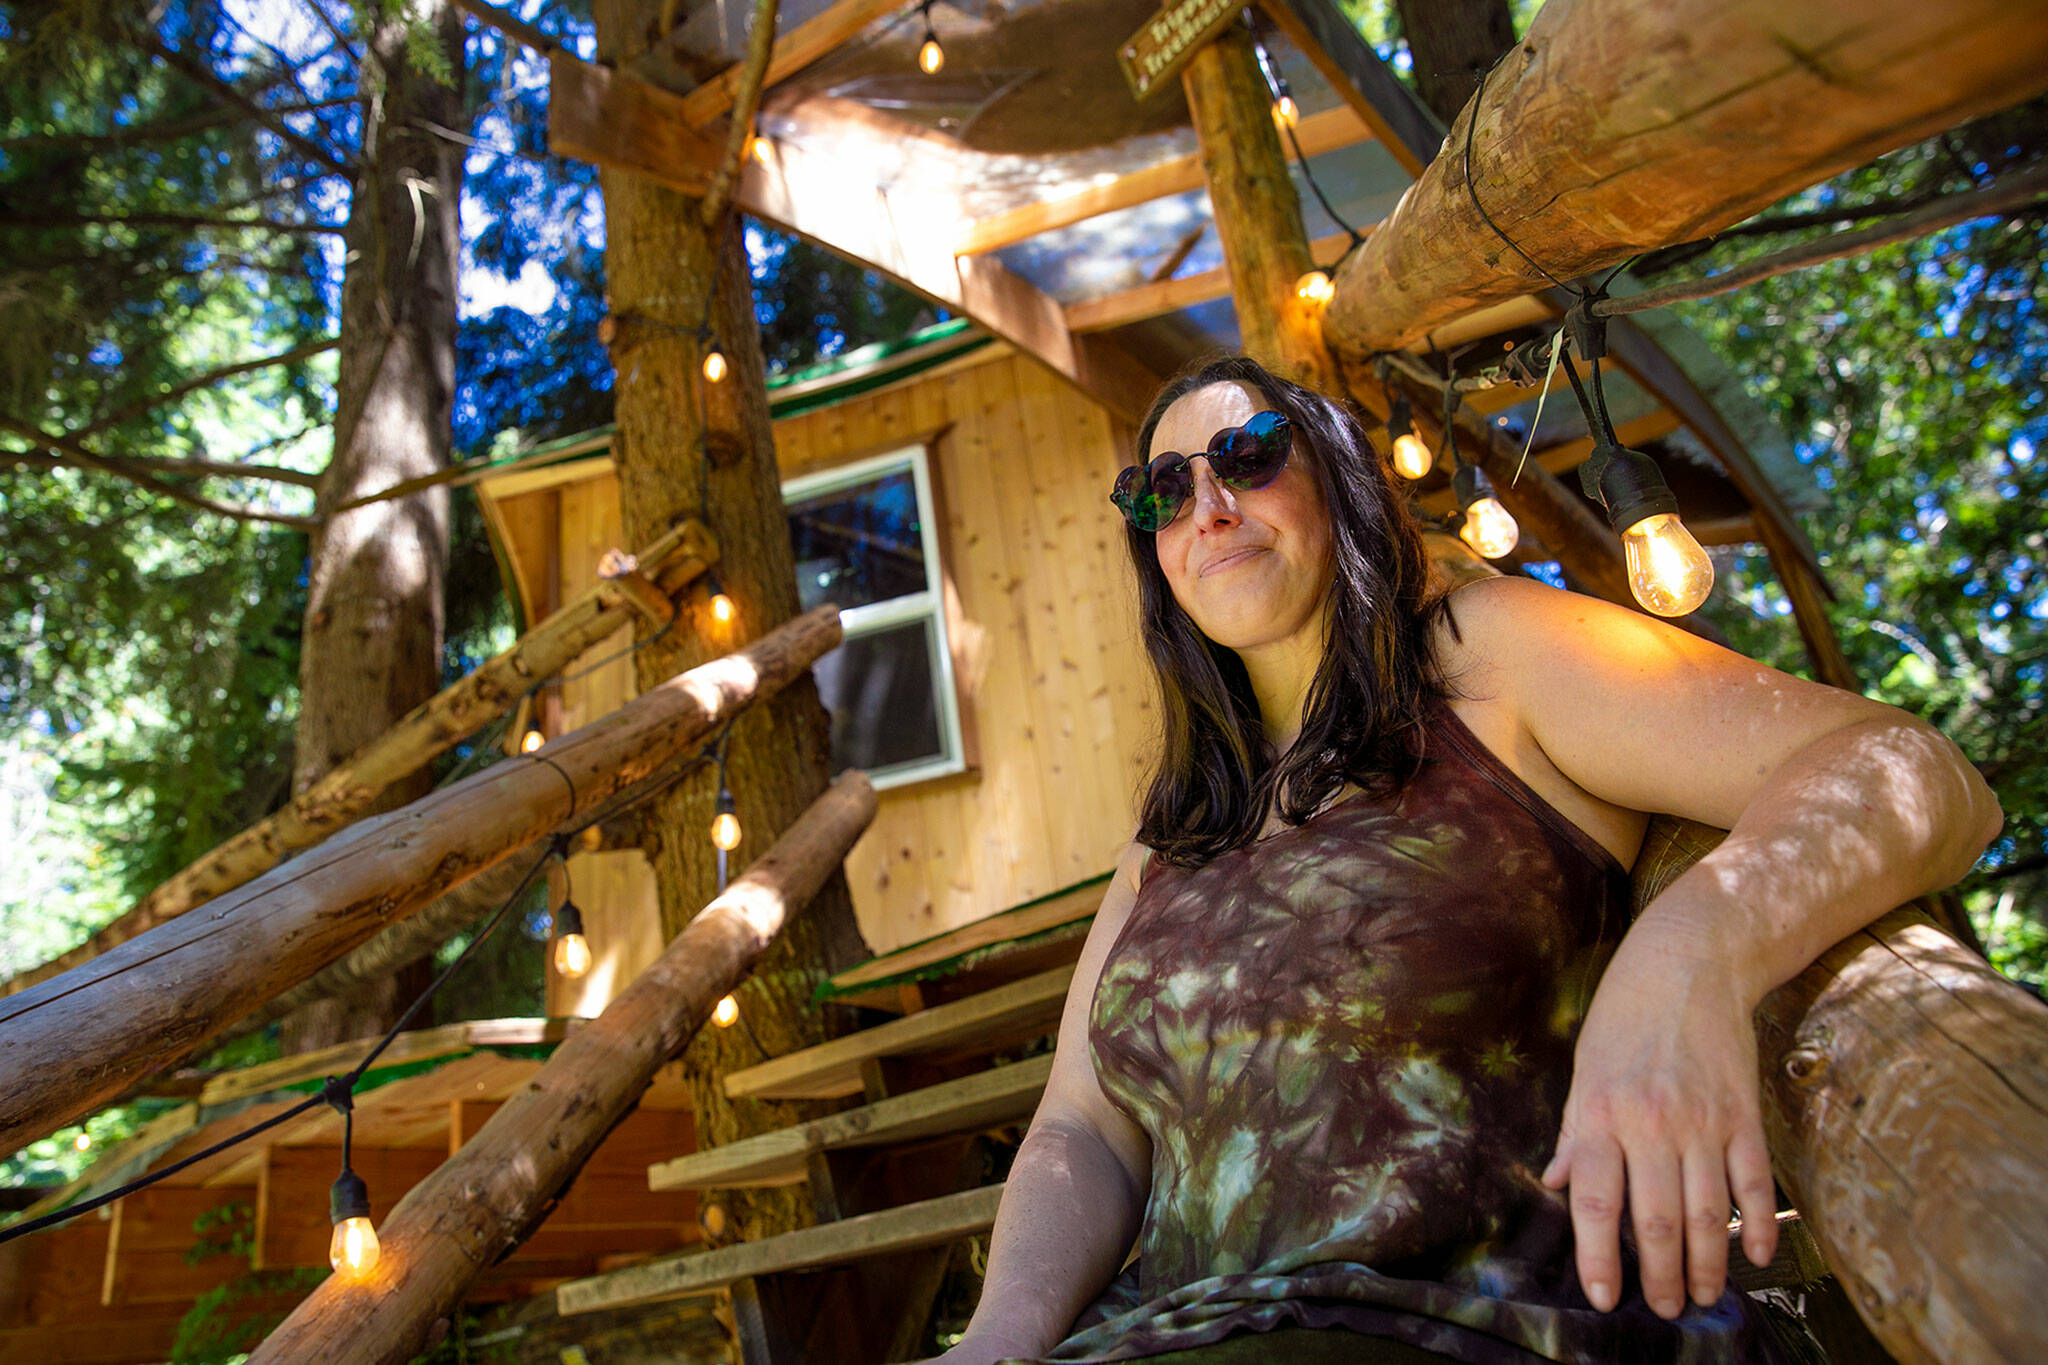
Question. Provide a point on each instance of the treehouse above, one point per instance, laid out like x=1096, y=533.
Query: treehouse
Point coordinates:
x=1096, y=194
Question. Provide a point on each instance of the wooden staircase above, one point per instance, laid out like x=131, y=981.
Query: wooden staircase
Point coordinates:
x=895, y=1182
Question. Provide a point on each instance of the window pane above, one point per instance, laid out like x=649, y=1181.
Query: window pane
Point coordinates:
x=859, y=545
x=879, y=690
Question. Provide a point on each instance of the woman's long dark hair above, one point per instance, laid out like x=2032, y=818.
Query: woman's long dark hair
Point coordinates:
x=1362, y=719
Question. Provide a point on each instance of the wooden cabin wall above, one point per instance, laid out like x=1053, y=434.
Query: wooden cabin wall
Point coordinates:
x=1057, y=714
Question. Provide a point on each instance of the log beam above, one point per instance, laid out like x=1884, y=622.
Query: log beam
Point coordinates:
x=1906, y=1103
x=429, y=730
x=489, y=1195
x=1161, y=297
x=1327, y=131
x=1258, y=215
x=1615, y=128
x=70, y=1044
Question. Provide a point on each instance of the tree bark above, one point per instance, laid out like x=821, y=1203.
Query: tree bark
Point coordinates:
x=1451, y=42
x=668, y=271
x=71, y=1044
x=490, y=1195
x=371, y=645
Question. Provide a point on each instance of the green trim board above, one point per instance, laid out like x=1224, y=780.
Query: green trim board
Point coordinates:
x=919, y=966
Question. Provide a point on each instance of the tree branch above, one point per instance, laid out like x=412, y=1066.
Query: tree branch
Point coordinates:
x=168, y=465
x=199, y=74
x=211, y=377
x=746, y=101
x=169, y=130
x=191, y=220
x=134, y=473
x=510, y=25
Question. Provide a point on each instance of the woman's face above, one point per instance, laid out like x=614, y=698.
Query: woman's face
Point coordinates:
x=1251, y=567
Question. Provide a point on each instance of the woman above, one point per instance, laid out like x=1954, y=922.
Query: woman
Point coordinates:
x=1334, y=1055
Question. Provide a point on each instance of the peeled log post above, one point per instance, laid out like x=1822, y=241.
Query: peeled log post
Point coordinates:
x=76, y=1041
x=1258, y=214
x=430, y=729
x=1617, y=127
x=1906, y=1101
x=489, y=1196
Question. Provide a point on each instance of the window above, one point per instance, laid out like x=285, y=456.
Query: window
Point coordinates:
x=865, y=538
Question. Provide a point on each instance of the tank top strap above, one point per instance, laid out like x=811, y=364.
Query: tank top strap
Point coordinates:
x=1445, y=722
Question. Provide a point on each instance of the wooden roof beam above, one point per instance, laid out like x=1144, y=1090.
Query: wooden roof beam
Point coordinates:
x=1614, y=129
x=1328, y=131
x=793, y=51
x=622, y=123
x=1170, y=296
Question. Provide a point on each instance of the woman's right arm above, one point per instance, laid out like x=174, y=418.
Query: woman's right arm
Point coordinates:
x=1076, y=1193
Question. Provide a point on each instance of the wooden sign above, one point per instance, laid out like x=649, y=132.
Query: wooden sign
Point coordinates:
x=1154, y=55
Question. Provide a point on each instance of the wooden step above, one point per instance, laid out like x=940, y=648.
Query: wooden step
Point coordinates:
x=999, y=1095
x=991, y=1020
x=930, y=1223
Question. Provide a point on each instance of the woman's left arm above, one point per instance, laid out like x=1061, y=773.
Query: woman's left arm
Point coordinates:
x=1838, y=809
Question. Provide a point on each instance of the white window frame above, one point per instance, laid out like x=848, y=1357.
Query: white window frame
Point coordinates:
x=928, y=606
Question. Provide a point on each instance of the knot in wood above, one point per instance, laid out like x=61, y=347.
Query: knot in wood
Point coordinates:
x=1806, y=1067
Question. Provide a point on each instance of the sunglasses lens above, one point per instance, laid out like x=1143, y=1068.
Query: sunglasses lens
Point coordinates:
x=1252, y=456
x=1149, y=498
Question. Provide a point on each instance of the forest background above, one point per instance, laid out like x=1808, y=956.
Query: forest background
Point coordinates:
x=174, y=189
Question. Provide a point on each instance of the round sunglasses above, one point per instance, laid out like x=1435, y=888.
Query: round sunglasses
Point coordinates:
x=1250, y=456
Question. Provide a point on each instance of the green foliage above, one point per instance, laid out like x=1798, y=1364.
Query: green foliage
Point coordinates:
x=58, y=1159
x=223, y=1325
x=1911, y=378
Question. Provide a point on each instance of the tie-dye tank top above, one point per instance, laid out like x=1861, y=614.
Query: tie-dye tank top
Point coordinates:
x=1350, y=1045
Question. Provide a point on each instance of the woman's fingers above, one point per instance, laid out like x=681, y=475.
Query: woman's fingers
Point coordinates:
x=1656, y=1206
x=1749, y=1176
x=1706, y=1222
x=1596, y=1176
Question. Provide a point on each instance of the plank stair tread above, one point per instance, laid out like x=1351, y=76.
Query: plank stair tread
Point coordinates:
x=1000, y=1094
x=929, y=1223
x=832, y=1069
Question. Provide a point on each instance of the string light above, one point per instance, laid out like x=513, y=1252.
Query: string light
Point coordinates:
x=1668, y=571
x=726, y=1012
x=722, y=609
x=1412, y=455
x=353, y=1249
x=1489, y=528
x=1286, y=113
x=930, y=56
x=83, y=1142
x=1316, y=288
x=715, y=365
x=725, y=825
x=531, y=740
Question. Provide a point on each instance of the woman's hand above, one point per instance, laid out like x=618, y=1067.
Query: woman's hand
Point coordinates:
x=1664, y=1105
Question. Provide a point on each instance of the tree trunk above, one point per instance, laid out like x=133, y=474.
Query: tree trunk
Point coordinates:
x=665, y=265
x=371, y=646
x=1452, y=41
x=1258, y=214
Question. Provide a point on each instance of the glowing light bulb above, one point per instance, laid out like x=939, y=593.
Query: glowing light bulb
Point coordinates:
x=1286, y=113
x=1489, y=528
x=1315, y=287
x=1667, y=570
x=1412, y=458
x=715, y=366
x=725, y=830
x=722, y=609
x=726, y=1012
x=572, y=955
x=531, y=740
x=931, y=56
x=759, y=148
x=83, y=1141
x=353, y=1250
